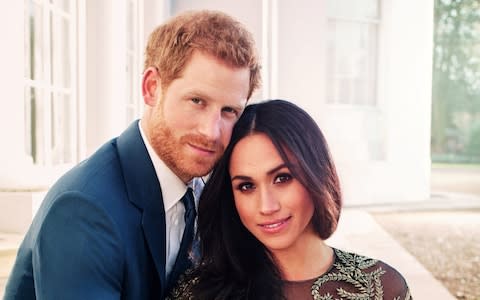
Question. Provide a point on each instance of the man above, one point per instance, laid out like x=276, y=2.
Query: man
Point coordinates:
x=111, y=228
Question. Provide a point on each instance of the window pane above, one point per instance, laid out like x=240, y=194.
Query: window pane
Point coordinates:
x=60, y=43
x=353, y=9
x=29, y=128
x=33, y=41
x=352, y=62
x=27, y=28
x=35, y=126
x=62, y=142
x=64, y=5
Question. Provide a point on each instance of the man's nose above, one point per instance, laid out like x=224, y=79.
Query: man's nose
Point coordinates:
x=211, y=126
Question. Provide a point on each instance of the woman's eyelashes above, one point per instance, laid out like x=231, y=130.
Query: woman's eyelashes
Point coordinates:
x=245, y=186
x=280, y=178
x=283, y=177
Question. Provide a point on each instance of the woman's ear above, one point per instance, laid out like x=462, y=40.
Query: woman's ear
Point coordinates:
x=150, y=83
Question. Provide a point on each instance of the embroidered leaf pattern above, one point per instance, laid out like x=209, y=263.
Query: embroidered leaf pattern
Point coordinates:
x=351, y=277
x=351, y=296
x=355, y=270
x=327, y=296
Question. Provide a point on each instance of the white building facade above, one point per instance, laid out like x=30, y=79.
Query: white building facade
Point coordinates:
x=71, y=76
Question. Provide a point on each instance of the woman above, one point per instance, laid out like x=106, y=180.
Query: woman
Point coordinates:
x=265, y=212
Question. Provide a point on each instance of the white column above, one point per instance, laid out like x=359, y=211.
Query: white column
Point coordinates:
x=408, y=92
x=105, y=71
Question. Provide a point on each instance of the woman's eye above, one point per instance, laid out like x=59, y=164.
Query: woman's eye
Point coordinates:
x=283, y=178
x=245, y=186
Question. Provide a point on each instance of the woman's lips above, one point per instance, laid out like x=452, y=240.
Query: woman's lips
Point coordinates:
x=275, y=226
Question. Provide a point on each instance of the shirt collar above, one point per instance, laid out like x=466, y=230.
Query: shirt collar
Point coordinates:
x=172, y=187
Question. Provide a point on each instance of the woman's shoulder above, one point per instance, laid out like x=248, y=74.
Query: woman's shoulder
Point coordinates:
x=367, y=275
x=345, y=259
x=349, y=261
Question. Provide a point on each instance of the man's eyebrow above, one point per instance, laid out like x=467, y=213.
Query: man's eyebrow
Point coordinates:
x=202, y=96
x=236, y=107
x=196, y=94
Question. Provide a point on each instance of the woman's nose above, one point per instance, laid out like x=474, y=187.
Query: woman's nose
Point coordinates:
x=268, y=202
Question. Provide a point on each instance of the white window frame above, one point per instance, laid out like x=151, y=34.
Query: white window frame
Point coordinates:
x=344, y=86
x=48, y=148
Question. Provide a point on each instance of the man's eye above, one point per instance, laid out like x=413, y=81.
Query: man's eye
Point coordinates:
x=230, y=110
x=285, y=177
x=196, y=100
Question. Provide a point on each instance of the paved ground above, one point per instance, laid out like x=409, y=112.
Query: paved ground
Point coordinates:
x=443, y=233
x=446, y=243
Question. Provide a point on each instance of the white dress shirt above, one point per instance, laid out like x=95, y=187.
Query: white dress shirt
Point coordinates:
x=173, y=190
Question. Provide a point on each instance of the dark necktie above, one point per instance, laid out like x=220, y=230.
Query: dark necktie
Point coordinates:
x=183, y=262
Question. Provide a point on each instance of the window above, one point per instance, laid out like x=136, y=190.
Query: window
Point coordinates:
x=50, y=83
x=352, y=51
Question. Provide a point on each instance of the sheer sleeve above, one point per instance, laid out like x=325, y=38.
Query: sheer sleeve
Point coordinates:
x=354, y=276
x=394, y=285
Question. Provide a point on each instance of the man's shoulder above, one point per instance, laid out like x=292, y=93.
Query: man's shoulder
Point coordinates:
x=98, y=179
x=102, y=166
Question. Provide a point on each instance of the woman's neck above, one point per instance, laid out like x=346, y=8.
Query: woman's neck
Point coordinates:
x=310, y=260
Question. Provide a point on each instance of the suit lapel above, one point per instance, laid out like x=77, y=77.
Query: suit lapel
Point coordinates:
x=144, y=192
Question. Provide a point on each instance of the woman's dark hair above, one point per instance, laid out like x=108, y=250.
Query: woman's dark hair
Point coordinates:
x=234, y=264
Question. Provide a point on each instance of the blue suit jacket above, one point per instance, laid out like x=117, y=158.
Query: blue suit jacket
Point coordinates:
x=100, y=231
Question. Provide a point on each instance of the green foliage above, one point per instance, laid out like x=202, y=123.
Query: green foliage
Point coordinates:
x=456, y=78
x=473, y=145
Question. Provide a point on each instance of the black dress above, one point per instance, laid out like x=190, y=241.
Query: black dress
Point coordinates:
x=351, y=276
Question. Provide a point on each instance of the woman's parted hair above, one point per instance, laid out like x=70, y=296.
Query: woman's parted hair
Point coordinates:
x=234, y=262
x=215, y=33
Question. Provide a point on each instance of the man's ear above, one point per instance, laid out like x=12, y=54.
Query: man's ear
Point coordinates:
x=150, y=83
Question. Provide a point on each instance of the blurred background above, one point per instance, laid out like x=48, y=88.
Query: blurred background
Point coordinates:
x=394, y=85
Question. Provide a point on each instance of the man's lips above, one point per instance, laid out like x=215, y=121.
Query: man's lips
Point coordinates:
x=203, y=149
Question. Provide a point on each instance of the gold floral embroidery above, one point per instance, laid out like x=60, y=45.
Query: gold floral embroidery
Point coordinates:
x=351, y=268
x=357, y=271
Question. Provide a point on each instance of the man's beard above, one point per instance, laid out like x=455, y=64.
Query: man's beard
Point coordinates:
x=171, y=151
